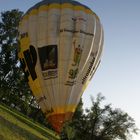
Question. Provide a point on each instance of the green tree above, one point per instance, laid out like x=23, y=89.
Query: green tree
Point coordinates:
x=14, y=90
x=9, y=72
x=100, y=123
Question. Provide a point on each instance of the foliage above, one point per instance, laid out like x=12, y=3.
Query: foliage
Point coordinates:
x=14, y=90
x=100, y=123
x=9, y=71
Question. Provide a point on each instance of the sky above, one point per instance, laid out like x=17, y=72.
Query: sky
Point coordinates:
x=118, y=76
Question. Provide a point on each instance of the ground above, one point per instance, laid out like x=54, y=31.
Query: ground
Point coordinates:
x=15, y=126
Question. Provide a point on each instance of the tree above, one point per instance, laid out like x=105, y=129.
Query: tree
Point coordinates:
x=101, y=123
x=9, y=72
x=14, y=90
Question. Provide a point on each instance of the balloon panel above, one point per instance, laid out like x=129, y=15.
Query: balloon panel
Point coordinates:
x=61, y=44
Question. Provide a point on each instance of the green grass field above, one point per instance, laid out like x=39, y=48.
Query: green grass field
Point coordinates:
x=15, y=126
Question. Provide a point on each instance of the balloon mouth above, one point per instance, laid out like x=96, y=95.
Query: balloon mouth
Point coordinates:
x=57, y=121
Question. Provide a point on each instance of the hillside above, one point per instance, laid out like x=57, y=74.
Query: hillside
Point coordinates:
x=15, y=126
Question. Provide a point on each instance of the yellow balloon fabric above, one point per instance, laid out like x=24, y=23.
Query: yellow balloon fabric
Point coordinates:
x=61, y=43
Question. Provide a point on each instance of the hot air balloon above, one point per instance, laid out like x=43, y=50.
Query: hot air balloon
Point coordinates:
x=61, y=43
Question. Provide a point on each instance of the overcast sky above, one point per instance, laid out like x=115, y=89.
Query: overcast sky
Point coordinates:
x=118, y=76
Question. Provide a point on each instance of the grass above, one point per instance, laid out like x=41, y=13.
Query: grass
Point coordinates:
x=15, y=126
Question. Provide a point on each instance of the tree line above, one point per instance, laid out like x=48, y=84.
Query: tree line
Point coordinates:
x=96, y=123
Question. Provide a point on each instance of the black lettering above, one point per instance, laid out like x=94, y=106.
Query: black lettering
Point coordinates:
x=75, y=31
x=31, y=60
x=73, y=73
x=88, y=71
x=70, y=83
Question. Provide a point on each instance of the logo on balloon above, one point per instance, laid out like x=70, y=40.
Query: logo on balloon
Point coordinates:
x=48, y=61
x=77, y=54
x=76, y=61
x=29, y=60
x=90, y=68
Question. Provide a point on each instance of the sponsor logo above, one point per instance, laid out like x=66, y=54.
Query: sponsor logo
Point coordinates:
x=75, y=31
x=78, y=19
x=49, y=61
x=29, y=61
x=50, y=74
x=91, y=63
x=73, y=72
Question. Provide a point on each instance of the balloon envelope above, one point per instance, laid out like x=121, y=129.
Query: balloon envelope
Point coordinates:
x=60, y=48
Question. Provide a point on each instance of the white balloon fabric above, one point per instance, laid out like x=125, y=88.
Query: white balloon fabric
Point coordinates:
x=61, y=43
